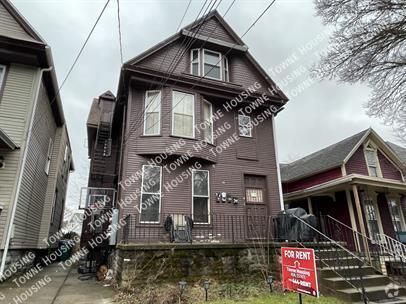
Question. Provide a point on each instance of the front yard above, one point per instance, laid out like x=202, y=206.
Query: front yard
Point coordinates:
x=279, y=299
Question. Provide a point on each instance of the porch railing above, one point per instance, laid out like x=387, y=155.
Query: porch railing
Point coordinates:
x=375, y=252
x=392, y=246
x=219, y=228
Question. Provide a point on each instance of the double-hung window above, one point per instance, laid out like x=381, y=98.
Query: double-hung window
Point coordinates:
x=212, y=64
x=183, y=114
x=372, y=161
x=49, y=156
x=244, y=125
x=208, y=122
x=226, y=71
x=150, y=194
x=195, y=62
x=396, y=214
x=152, y=113
x=201, y=196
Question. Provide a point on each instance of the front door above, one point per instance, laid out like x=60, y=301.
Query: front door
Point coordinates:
x=256, y=206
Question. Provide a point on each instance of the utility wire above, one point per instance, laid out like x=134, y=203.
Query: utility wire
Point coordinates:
x=230, y=49
x=119, y=31
x=76, y=59
x=183, y=50
x=164, y=80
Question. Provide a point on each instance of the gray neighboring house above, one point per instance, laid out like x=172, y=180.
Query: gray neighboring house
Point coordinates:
x=35, y=153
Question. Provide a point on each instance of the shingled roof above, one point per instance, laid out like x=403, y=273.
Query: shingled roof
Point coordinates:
x=400, y=151
x=331, y=157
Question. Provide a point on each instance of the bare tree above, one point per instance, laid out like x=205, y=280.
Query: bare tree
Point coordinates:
x=369, y=45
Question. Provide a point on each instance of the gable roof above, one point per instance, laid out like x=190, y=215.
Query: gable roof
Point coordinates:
x=14, y=25
x=330, y=157
x=235, y=42
x=335, y=155
x=400, y=151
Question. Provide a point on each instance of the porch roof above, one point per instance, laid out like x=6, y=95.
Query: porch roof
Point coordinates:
x=344, y=183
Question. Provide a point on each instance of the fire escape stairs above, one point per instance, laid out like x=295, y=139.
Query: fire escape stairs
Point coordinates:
x=102, y=149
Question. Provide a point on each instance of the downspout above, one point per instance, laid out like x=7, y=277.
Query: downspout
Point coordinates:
x=278, y=169
x=20, y=175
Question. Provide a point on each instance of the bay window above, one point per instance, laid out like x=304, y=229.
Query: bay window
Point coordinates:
x=200, y=196
x=195, y=62
x=150, y=205
x=152, y=112
x=212, y=64
x=208, y=122
x=183, y=114
x=244, y=125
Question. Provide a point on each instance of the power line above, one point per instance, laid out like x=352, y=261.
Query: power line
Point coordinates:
x=182, y=49
x=76, y=58
x=119, y=31
x=230, y=49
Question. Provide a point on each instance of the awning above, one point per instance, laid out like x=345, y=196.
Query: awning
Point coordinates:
x=6, y=142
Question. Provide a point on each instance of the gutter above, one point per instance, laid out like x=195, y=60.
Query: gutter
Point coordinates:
x=9, y=228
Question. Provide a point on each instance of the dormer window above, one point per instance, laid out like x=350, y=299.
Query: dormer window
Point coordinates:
x=371, y=157
x=209, y=64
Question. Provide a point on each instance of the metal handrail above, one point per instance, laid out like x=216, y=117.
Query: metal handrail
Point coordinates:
x=330, y=239
x=380, y=241
x=396, y=247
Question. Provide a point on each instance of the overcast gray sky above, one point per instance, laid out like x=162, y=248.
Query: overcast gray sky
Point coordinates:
x=285, y=42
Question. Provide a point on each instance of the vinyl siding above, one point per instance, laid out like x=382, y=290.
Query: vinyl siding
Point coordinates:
x=58, y=178
x=10, y=28
x=15, y=109
x=31, y=200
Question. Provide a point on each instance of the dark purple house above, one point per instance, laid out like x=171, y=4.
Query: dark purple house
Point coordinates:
x=188, y=141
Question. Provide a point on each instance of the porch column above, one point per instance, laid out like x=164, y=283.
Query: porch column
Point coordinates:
x=360, y=218
x=309, y=205
x=352, y=218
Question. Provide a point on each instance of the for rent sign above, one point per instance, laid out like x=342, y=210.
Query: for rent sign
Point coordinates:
x=299, y=271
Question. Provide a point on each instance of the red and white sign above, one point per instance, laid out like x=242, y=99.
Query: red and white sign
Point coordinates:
x=299, y=271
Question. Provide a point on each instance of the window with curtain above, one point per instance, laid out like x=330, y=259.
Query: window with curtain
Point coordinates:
x=150, y=194
x=152, y=112
x=396, y=214
x=244, y=126
x=201, y=197
x=183, y=114
x=208, y=121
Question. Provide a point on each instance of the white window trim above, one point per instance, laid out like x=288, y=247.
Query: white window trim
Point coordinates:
x=160, y=194
x=225, y=59
x=219, y=62
x=251, y=128
x=49, y=156
x=212, y=122
x=375, y=150
x=374, y=200
x=198, y=62
x=145, y=112
x=173, y=116
x=2, y=74
x=208, y=195
x=97, y=195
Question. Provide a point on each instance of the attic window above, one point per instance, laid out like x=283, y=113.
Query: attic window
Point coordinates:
x=209, y=64
x=371, y=157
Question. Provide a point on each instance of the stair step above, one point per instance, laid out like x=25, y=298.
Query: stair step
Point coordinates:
x=374, y=293
x=368, y=280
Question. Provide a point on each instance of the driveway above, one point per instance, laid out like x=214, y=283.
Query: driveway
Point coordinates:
x=55, y=285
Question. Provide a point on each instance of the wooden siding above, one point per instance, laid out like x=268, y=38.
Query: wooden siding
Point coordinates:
x=226, y=175
x=214, y=29
x=312, y=180
x=34, y=183
x=15, y=110
x=357, y=163
x=9, y=27
x=388, y=169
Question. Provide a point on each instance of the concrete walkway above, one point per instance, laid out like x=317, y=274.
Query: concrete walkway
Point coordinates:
x=55, y=285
